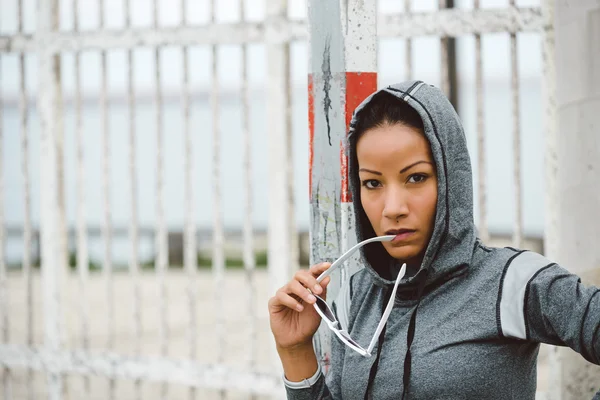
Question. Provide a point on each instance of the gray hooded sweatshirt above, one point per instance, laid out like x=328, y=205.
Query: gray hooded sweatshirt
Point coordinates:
x=476, y=314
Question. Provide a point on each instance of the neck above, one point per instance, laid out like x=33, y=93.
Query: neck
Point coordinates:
x=412, y=269
x=413, y=265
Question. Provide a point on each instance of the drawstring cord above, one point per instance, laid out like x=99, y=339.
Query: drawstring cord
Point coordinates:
x=375, y=364
x=409, y=340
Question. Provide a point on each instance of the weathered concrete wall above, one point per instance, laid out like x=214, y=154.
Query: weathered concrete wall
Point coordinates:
x=577, y=32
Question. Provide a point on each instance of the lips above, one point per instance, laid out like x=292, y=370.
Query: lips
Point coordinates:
x=400, y=234
x=398, y=231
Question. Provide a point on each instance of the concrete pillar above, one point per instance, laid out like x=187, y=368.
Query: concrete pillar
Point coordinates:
x=342, y=73
x=577, y=173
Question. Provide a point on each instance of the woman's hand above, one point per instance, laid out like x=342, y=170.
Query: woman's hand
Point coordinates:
x=293, y=318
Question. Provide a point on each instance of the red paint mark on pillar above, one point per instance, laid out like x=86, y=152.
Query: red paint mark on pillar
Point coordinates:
x=346, y=194
x=311, y=132
x=359, y=85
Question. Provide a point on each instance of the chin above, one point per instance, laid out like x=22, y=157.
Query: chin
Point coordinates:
x=403, y=253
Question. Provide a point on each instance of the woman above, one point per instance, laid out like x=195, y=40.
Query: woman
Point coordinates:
x=467, y=319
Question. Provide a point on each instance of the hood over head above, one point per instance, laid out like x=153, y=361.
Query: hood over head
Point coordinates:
x=450, y=248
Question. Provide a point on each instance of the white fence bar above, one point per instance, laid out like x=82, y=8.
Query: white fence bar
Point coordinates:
x=481, y=149
x=162, y=255
x=82, y=234
x=445, y=79
x=518, y=221
x=134, y=264
x=27, y=276
x=551, y=193
x=27, y=229
x=52, y=269
x=190, y=251
x=550, y=129
x=281, y=256
x=218, y=255
x=458, y=22
x=106, y=223
x=107, y=266
x=248, y=251
x=408, y=50
x=6, y=379
x=190, y=242
x=26, y=264
x=63, y=250
x=280, y=251
x=448, y=22
x=147, y=369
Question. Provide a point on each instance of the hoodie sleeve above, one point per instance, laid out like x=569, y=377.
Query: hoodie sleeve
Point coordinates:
x=321, y=387
x=543, y=302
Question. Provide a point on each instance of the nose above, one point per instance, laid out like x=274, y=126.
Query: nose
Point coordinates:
x=396, y=203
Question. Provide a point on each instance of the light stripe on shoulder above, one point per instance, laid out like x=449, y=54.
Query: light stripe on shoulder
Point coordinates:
x=516, y=276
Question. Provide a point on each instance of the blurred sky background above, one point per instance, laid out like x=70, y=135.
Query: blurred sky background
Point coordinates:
x=426, y=66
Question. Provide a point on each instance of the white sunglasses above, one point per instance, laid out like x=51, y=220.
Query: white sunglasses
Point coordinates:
x=329, y=317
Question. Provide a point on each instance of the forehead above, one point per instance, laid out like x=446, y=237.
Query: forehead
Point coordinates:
x=393, y=143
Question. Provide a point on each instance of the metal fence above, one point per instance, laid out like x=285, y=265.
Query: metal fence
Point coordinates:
x=48, y=43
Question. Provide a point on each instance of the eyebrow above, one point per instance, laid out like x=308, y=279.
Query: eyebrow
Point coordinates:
x=368, y=170
x=403, y=170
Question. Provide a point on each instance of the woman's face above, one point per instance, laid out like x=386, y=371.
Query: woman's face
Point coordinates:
x=398, y=187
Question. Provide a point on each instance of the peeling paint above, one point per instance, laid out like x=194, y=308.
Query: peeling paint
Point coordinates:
x=327, y=76
x=325, y=218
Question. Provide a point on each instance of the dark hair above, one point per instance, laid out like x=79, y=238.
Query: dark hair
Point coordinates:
x=383, y=109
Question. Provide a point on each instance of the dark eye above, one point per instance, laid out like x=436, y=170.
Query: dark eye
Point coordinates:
x=371, y=183
x=417, y=178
